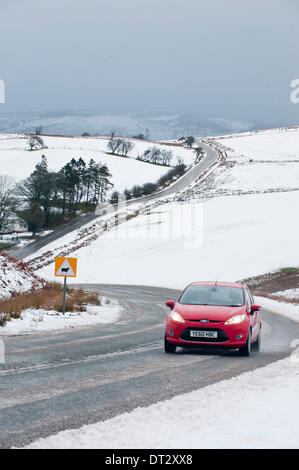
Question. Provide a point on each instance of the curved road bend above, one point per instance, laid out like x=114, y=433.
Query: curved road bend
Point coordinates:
x=61, y=380
x=190, y=176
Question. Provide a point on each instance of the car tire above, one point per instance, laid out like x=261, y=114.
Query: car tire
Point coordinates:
x=245, y=350
x=168, y=347
x=257, y=344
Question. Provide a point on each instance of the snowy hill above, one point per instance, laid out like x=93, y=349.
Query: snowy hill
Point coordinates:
x=246, y=214
x=16, y=277
x=255, y=162
x=17, y=162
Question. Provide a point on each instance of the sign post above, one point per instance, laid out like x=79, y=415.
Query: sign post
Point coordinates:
x=65, y=267
x=64, y=296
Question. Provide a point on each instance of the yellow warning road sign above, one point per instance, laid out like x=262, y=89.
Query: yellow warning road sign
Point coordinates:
x=66, y=267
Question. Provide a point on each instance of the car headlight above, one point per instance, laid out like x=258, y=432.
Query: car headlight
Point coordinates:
x=177, y=317
x=235, y=319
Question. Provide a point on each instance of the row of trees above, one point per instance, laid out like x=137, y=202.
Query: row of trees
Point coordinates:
x=149, y=188
x=120, y=146
x=157, y=156
x=52, y=195
x=123, y=147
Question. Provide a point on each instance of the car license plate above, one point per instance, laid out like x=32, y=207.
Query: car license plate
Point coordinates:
x=203, y=334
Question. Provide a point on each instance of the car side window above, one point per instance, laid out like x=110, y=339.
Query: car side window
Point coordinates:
x=248, y=300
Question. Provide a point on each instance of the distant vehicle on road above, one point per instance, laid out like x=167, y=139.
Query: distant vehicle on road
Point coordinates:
x=214, y=314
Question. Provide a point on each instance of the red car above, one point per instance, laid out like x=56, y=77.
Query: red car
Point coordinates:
x=214, y=314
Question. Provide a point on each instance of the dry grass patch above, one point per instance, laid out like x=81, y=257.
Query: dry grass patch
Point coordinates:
x=48, y=298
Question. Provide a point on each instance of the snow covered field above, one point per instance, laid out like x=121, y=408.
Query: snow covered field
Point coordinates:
x=273, y=144
x=17, y=162
x=235, y=237
x=257, y=162
x=234, y=413
x=34, y=321
x=254, y=177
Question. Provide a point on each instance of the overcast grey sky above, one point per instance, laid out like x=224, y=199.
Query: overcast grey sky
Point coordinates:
x=228, y=58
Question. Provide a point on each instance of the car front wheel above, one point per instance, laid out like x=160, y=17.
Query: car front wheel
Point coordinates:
x=257, y=344
x=245, y=350
x=168, y=347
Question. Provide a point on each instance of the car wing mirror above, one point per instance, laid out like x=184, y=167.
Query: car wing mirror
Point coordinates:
x=170, y=304
x=255, y=308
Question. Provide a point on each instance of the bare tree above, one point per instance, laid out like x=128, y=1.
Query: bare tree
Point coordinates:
x=114, y=145
x=38, y=130
x=113, y=134
x=120, y=146
x=7, y=201
x=155, y=156
x=166, y=157
x=35, y=142
x=126, y=147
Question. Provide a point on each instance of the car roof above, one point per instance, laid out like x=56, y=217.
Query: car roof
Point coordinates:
x=217, y=283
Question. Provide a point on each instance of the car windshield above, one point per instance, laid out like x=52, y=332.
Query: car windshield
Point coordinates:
x=213, y=295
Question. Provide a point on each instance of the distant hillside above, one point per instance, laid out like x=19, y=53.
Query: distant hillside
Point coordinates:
x=155, y=126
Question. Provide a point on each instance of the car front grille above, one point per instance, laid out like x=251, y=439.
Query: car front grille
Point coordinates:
x=221, y=336
x=209, y=321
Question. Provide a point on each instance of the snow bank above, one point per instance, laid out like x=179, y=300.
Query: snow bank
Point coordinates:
x=281, y=308
x=16, y=277
x=235, y=413
x=33, y=321
x=289, y=293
